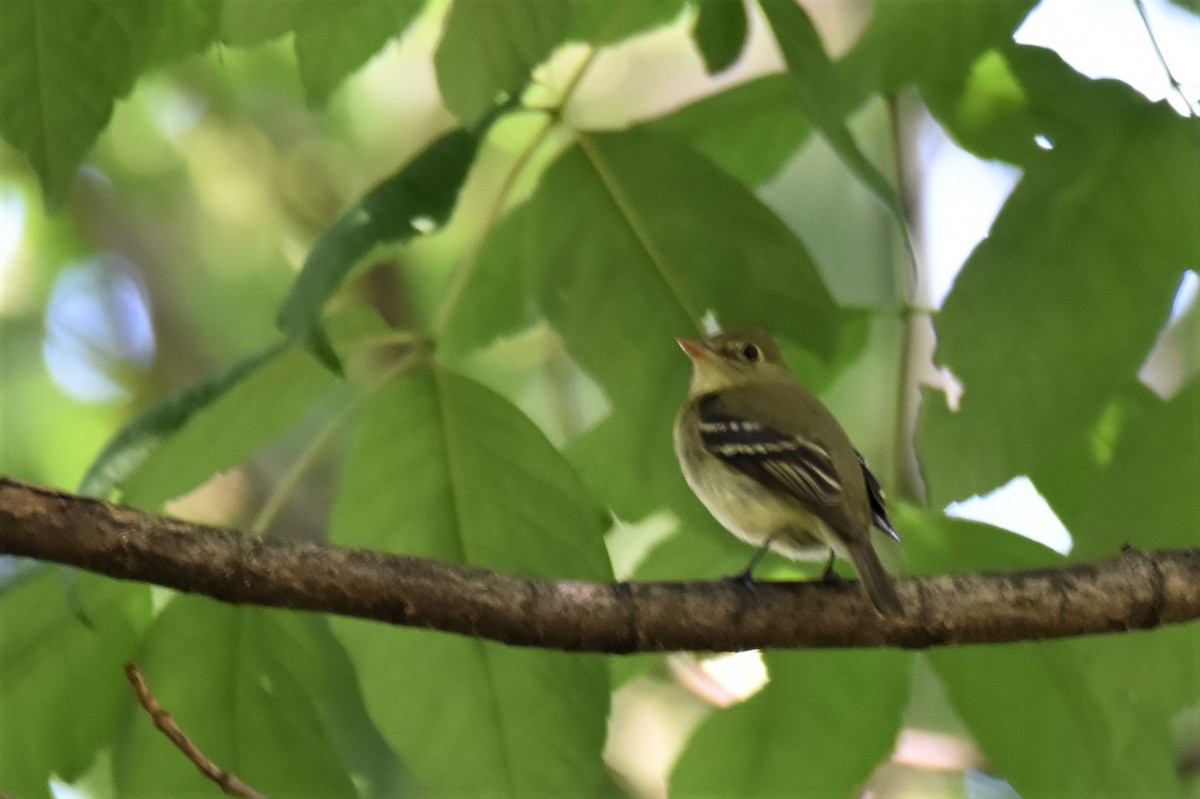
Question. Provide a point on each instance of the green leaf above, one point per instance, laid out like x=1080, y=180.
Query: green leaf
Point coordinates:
x=187, y=27
x=253, y=688
x=135, y=442
x=939, y=544
x=749, y=130
x=942, y=47
x=489, y=50
x=231, y=427
x=444, y=468
x=1147, y=495
x=1074, y=739
x=720, y=33
x=821, y=91
x=819, y=728
x=52, y=668
x=622, y=246
x=1055, y=311
x=334, y=40
x=606, y=23
x=494, y=300
x=65, y=63
x=414, y=200
x=249, y=22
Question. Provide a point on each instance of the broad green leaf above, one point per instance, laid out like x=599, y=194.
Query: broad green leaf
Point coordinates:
x=443, y=468
x=819, y=728
x=930, y=43
x=251, y=687
x=719, y=32
x=938, y=544
x=494, y=300
x=61, y=685
x=944, y=48
x=750, y=130
x=188, y=26
x=65, y=62
x=135, y=442
x=489, y=50
x=606, y=23
x=821, y=91
x=1055, y=311
x=335, y=39
x=414, y=200
x=619, y=246
x=249, y=22
x=1147, y=496
x=230, y=427
x=1071, y=737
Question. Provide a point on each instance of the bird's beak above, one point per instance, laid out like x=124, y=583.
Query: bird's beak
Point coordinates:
x=695, y=349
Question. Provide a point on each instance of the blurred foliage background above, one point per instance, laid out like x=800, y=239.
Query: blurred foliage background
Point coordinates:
x=407, y=275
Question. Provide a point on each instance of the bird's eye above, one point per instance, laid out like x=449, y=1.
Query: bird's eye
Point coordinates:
x=751, y=353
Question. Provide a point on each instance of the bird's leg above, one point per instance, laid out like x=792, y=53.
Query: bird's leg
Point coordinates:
x=829, y=575
x=746, y=576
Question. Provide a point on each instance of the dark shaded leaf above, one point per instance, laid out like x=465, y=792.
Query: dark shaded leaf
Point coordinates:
x=414, y=200
x=719, y=32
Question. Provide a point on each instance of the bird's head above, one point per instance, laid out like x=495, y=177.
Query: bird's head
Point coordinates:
x=734, y=358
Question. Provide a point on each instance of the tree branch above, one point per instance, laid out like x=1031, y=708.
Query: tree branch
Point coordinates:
x=1135, y=590
x=228, y=783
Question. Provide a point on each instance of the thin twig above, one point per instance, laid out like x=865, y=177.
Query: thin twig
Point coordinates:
x=228, y=783
x=1162, y=59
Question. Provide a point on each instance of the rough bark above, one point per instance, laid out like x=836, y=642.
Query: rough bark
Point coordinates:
x=1134, y=590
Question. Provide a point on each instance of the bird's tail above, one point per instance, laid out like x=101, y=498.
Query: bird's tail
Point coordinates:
x=875, y=579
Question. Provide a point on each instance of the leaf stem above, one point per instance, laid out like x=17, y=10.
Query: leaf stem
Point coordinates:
x=291, y=478
x=499, y=206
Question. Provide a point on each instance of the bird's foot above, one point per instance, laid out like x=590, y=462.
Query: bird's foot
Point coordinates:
x=744, y=579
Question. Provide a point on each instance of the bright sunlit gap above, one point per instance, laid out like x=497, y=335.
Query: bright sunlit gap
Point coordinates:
x=97, y=322
x=1175, y=359
x=1107, y=39
x=1016, y=506
x=13, y=214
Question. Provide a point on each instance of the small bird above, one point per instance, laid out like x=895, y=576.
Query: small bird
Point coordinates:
x=772, y=464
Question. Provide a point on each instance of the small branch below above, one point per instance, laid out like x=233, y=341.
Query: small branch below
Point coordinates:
x=228, y=783
x=1134, y=590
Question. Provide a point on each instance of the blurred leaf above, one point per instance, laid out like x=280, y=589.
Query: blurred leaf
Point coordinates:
x=930, y=43
x=719, y=32
x=415, y=200
x=188, y=26
x=1067, y=740
x=606, y=23
x=443, y=468
x=942, y=47
x=819, y=728
x=53, y=668
x=1090, y=248
x=489, y=49
x=64, y=64
x=494, y=300
x=750, y=130
x=622, y=246
x=250, y=22
x=229, y=428
x=251, y=687
x=820, y=90
x=1147, y=496
x=939, y=544
x=334, y=40
x=129, y=449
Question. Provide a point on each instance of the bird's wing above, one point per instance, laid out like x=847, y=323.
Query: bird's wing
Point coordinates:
x=787, y=463
x=878, y=505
